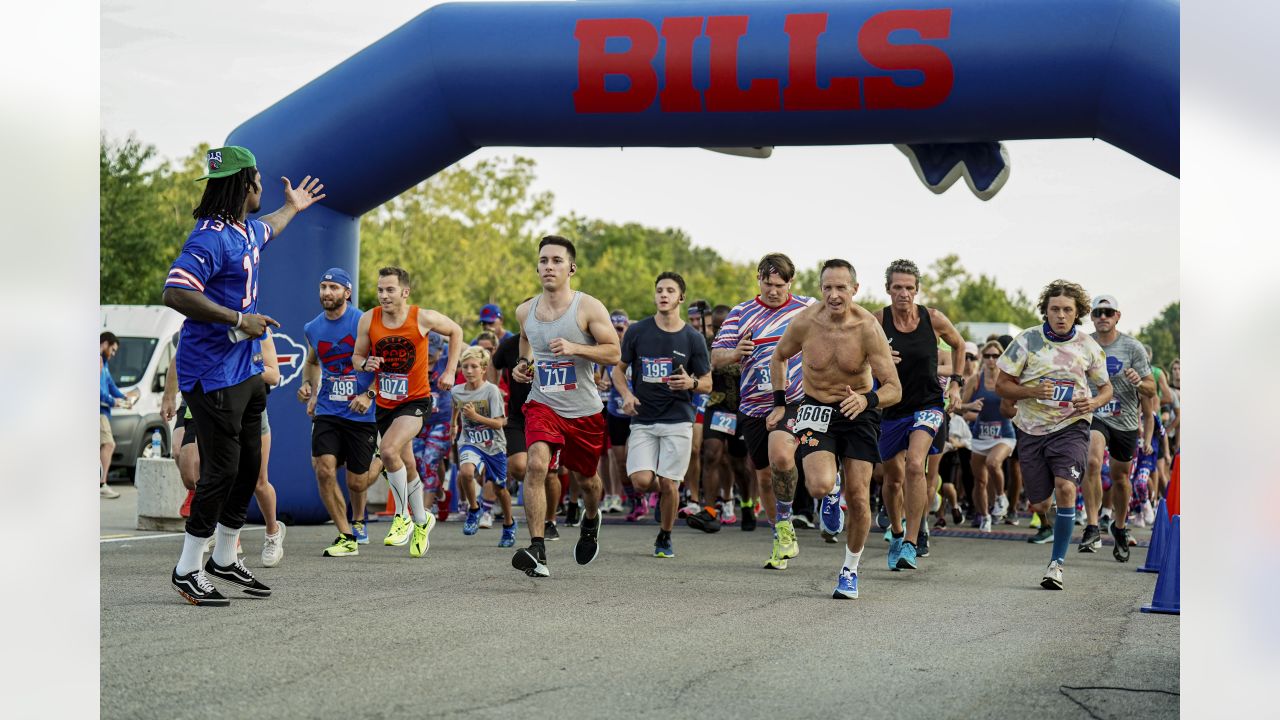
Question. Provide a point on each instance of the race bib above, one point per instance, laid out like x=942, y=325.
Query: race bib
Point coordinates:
x=724, y=422
x=479, y=436
x=989, y=430
x=1063, y=391
x=813, y=417
x=393, y=386
x=931, y=419
x=762, y=378
x=1111, y=409
x=342, y=387
x=556, y=375
x=655, y=370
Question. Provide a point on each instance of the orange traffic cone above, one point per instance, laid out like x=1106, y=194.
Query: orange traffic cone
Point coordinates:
x=391, y=506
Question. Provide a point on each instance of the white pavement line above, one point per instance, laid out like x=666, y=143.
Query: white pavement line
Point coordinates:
x=126, y=538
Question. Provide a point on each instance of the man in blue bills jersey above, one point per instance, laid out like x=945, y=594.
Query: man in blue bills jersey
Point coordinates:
x=214, y=283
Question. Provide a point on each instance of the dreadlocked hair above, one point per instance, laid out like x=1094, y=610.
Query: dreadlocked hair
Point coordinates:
x=224, y=197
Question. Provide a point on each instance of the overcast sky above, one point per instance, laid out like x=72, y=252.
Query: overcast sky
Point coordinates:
x=178, y=74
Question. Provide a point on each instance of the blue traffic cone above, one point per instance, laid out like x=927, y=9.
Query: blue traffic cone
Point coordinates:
x=1167, y=597
x=453, y=488
x=1159, y=542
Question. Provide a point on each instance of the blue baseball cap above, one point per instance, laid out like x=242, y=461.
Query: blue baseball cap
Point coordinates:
x=337, y=275
x=435, y=343
x=490, y=313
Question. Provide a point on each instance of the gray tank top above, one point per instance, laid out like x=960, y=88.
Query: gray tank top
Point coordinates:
x=564, y=384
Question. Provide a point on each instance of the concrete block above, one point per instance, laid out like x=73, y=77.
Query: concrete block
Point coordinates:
x=160, y=494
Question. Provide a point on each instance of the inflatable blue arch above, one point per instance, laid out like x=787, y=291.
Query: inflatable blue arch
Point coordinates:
x=945, y=81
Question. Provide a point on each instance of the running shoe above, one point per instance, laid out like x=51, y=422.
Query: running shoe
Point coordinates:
x=420, y=544
x=688, y=509
x=550, y=532
x=486, y=520
x=237, y=574
x=532, y=561
x=802, y=521
x=362, y=534
x=895, y=551
x=940, y=523
x=196, y=589
x=442, y=505
x=1035, y=521
x=614, y=505
x=1042, y=536
x=831, y=517
x=985, y=525
x=703, y=520
x=105, y=491
x=727, y=515
x=588, y=546
x=1052, y=579
x=776, y=561
x=957, y=516
x=1002, y=505
x=508, y=535
x=922, y=541
x=1081, y=517
x=1091, y=541
x=748, y=518
x=398, y=535
x=663, y=549
x=882, y=519
x=907, y=557
x=1104, y=522
x=273, y=547
x=888, y=534
x=975, y=522
x=185, y=510
x=471, y=524
x=1121, y=549
x=342, y=546
x=787, y=539
x=639, y=509
x=846, y=585
x=1010, y=519
x=573, y=518
x=1148, y=513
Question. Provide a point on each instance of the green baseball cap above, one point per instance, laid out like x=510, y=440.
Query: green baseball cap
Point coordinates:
x=227, y=160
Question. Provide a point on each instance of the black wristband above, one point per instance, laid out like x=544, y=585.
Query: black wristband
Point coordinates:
x=779, y=398
x=958, y=379
x=873, y=400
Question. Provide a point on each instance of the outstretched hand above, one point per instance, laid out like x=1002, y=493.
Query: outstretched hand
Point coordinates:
x=308, y=192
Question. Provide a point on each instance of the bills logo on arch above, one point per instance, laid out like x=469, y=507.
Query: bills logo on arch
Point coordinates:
x=291, y=356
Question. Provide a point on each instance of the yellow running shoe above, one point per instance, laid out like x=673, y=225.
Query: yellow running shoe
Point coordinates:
x=419, y=545
x=777, y=561
x=1035, y=520
x=788, y=547
x=342, y=547
x=399, y=532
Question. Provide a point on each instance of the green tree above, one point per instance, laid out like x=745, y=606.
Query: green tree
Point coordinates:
x=1164, y=335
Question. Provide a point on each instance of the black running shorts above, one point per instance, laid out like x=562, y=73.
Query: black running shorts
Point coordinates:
x=821, y=427
x=352, y=443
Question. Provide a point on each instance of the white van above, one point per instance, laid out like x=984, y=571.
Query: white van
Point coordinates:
x=146, y=350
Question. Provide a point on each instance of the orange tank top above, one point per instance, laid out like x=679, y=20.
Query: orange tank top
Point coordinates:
x=405, y=372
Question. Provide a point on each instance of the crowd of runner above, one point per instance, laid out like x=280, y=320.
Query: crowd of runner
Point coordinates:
x=782, y=410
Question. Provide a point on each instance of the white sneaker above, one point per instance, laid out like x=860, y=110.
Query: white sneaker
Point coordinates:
x=986, y=524
x=1002, y=505
x=727, y=514
x=486, y=519
x=105, y=492
x=1052, y=579
x=1148, y=513
x=273, y=548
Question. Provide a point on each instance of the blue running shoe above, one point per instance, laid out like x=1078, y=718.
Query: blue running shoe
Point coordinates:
x=895, y=551
x=846, y=585
x=663, y=549
x=362, y=535
x=508, y=535
x=472, y=523
x=907, y=557
x=831, y=518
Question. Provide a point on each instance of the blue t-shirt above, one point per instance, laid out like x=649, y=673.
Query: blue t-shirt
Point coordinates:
x=333, y=342
x=442, y=412
x=654, y=355
x=220, y=261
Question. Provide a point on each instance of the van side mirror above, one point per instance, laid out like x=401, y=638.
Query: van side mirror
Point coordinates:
x=157, y=385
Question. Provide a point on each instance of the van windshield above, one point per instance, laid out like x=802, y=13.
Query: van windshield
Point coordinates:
x=131, y=360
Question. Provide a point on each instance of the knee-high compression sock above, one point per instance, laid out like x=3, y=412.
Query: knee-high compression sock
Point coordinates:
x=416, y=508
x=1063, y=523
x=399, y=482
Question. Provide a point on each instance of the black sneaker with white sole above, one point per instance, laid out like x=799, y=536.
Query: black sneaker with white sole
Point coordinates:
x=1091, y=540
x=588, y=541
x=531, y=561
x=1121, y=550
x=237, y=574
x=196, y=589
x=549, y=531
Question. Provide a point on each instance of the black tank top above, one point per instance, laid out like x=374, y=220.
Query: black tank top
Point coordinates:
x=918, y=371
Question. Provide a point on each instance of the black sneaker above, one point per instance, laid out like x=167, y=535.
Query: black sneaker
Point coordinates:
x=1104, y=522
x=550, y=532
x=1043, y=535
x=802, y=521
x=922, y=542
x=237, y=574
x=748, y=513
x=882, y=519
x=531, y=561
x=196, y=589
x=957, y=517
x=573, y=518
x=1121, y=550
x=704, y=521
x=588, y=541
x=1091, y=540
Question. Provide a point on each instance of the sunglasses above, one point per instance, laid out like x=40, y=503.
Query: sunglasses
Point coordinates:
x=1104, y=312
x=991, y=356
x=970, y=357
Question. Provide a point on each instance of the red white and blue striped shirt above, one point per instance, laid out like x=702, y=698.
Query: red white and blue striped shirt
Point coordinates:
x=765, y=326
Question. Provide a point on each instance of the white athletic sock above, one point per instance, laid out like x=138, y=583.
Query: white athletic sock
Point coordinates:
x=398, y=480
x=851, y=559
x=415, y=501
x=224, y=545
x=192, y=557
x=1106, y=512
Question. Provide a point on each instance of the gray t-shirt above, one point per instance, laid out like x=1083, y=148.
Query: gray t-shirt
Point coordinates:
x=488, y=403
x=1122, y=412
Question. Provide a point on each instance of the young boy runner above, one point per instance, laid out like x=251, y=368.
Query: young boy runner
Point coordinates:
x=481, y=443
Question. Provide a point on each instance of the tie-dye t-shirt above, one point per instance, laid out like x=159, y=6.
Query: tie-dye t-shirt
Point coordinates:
x=1070, y=364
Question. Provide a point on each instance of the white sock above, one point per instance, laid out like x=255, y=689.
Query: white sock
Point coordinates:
x=224, y=545
x=398, y=480
x=851, y=559
x=1106, y=512
x=415, y=501
x=192, y=557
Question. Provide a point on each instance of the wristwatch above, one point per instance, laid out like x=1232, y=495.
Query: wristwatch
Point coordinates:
x=371, y=393
x=958, y=380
